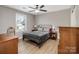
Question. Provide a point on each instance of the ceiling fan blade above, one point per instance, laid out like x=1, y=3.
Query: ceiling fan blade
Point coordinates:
x=31, y=10
x=43, y=10
x=41, y=6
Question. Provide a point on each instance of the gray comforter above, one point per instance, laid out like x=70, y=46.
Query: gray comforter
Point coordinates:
x=37, y=36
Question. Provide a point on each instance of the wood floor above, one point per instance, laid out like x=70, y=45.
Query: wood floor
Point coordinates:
x=49, y=47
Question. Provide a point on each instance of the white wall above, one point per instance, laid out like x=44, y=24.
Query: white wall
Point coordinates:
x=78, y=20
x=0, y=21
x=30, y=22
x=59, y=18
x=77, y=16
x=73, y=19
x=8, y=18
x=74, y=16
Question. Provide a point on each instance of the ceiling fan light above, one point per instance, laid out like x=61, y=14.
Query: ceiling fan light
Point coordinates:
x=37, y=11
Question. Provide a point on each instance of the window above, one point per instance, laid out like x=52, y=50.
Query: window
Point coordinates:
x=21, y=22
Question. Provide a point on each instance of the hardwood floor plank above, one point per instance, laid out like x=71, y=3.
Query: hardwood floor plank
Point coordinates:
x=49, y=47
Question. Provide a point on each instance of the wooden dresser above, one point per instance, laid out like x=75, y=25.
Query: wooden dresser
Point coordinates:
x=77, y=41
x=8, y=44
x=69, y=40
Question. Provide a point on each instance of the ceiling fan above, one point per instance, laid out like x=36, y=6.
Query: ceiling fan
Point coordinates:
x=38, y=8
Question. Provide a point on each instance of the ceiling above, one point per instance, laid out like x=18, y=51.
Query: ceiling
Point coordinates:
x=49, y=8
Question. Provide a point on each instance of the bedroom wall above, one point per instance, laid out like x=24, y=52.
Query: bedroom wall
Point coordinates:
x=59, y=18
x=0, y=22
x=8, y=18
x=74, y=17
x=78, y=19
x=77, y=16
x=30, y=22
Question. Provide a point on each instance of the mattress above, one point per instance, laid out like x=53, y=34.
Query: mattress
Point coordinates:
x=37, y=36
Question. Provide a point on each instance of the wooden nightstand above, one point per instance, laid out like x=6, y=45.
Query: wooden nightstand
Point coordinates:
x=53, y=35
x=34, y=30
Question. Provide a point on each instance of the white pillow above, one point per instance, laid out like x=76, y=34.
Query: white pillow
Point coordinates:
x=46, y=29
x=40, y=29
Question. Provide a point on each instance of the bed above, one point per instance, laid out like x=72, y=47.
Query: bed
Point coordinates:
x=38, y=37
